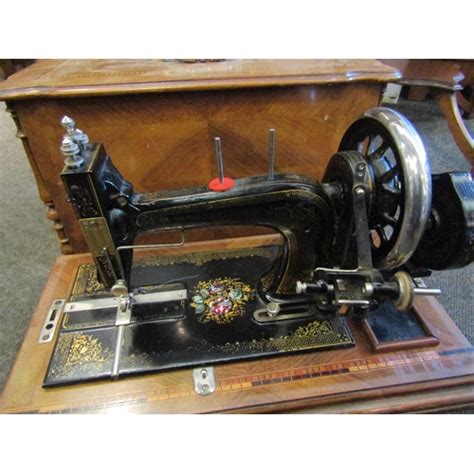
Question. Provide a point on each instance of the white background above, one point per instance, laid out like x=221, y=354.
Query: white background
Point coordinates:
x=239, y=29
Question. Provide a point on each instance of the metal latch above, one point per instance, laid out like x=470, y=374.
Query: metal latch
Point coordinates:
x=204, y=380
x=52, y=320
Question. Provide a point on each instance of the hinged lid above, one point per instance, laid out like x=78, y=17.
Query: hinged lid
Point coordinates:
x=67, y=78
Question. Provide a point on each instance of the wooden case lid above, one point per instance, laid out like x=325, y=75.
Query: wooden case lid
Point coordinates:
x=67, y=78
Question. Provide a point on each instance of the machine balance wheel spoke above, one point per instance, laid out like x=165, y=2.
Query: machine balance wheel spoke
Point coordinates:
x=401, y=179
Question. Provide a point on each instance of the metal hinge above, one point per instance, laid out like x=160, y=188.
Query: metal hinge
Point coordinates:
x=52, y=320
x=204, y=380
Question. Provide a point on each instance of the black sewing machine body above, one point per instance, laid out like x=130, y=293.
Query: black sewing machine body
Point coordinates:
x=297, y=207
x=197, y=309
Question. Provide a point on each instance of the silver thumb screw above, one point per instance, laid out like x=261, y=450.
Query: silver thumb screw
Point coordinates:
x=70, y=149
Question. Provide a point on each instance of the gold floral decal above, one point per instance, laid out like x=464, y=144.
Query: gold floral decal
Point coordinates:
x=85, y=348
x=221, y=300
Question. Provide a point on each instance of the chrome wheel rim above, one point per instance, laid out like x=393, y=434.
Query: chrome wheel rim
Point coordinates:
x=401, y=168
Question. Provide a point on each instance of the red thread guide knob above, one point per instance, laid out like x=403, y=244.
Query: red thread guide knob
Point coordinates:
x=217, y=185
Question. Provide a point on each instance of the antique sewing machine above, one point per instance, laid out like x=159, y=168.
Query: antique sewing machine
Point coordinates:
x=350, y=245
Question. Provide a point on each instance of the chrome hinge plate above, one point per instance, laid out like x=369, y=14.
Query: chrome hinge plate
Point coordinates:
x=51, y=321
x=114, y=301
x=204, y=380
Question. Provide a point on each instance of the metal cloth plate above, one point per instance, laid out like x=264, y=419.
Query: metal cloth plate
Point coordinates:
x=215, y=325
x=390, y=325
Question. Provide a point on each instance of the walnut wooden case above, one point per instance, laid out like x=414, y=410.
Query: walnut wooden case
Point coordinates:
x=158, y=118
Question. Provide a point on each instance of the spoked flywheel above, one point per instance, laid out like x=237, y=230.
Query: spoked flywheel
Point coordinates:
x=402, y=183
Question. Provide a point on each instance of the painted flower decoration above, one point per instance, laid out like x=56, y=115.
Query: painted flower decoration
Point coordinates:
x=221, y=300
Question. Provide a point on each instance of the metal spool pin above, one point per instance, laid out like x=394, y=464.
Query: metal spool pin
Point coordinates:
x=271, y=153
x=221, y=183
x=220, y=162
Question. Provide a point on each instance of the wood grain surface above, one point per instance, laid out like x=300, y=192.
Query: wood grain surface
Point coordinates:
x=158, y=118
x=166, y=141
x=449, y=105
x=75, y=77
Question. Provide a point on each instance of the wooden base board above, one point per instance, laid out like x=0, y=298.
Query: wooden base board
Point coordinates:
x=347, y=380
